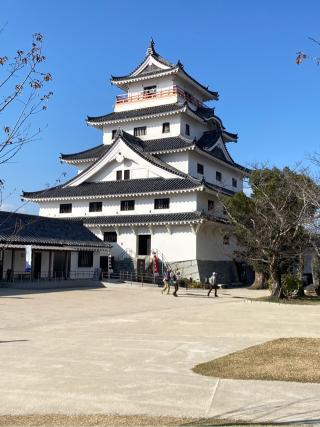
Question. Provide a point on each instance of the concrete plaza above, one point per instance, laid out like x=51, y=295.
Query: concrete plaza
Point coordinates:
x=130, y=350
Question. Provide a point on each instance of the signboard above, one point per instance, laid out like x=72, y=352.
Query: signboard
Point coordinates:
x=28, y=260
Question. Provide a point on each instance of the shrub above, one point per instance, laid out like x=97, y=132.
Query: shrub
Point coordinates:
x=290, y=283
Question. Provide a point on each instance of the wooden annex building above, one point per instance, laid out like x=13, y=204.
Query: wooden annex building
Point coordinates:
x=59, y=249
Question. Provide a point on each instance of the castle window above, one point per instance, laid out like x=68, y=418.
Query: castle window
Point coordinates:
x=187, y=129
x=142, y=130
x=95, y=207
x=126, y=174
x=166, y=127
x=127, y=205
x=226, y=240
x=200, y=168
x=218, y=176
x=65, y=208
x=119, y=175
x=161, y=203
x=85, y=259
x=210, y=205
x=149, y=91
x=114, y=131
x=234, y=183
x=110, y=236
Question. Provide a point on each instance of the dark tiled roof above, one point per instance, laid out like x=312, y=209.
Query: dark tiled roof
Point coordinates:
x=165, y=144
x=144, y=219
x=154, y=219
x=91, y=153
x=149, y=146
x=137, y=145
x=16, y=228
x=130, y=114
x=210, y=137
x=115, y=188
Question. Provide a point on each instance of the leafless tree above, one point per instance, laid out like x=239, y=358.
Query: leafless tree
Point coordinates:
x=23, y=94
x=272, y=224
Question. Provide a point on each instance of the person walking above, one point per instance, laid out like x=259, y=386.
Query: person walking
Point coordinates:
x=176, y=282
x=166, y=282
x=213, y=282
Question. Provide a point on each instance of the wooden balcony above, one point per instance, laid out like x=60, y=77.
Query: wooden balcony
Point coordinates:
x=158, y=94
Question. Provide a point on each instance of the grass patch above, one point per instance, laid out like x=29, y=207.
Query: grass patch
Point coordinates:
x=284, y=359
x=299, y=301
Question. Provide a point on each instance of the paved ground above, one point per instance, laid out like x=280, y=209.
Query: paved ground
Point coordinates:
x=130, y=350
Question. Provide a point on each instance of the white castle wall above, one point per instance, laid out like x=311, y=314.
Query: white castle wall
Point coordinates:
x=185, y=202
x=210, y=243
x=154, y=128
x=210, y=168
x=177, y=243
x=178, y=160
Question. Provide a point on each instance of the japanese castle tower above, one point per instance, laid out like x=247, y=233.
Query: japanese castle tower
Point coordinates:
x=154, y=184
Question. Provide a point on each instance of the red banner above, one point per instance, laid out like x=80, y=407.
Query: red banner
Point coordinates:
x=155, y=265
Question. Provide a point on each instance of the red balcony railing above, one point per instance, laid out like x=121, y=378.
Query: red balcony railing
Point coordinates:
x=157, y=94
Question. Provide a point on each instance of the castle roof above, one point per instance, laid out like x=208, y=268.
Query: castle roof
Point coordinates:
x=152, y=219
x=148, y=69
x=149, y=148
x=24, y=229
x=201, y=113
x=125, y=188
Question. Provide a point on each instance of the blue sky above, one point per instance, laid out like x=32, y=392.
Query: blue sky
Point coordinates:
x=243, y=49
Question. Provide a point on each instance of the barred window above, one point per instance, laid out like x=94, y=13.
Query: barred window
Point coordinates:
x=142, y=130
x=187, y=129
x=218, y=176
x=161, y=203
x=226, y=240
x=210, y=205
x=110, y=236
x=200, y=168
x=66, y=208
x=166, y=127
x=127, y=205
x=234, y=183
x=114, y=131
x=126, y=174
x=95, y=207
x=119, y=175
x=85, y=259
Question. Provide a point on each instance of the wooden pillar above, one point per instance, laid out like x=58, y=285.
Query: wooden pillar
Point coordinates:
x=50, y=265
x=13, y=253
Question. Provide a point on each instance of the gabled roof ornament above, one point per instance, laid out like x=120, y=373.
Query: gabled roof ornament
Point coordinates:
x=151, y=50
x=118, y=133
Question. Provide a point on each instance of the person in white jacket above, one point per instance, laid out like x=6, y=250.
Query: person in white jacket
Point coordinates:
x=213, y=282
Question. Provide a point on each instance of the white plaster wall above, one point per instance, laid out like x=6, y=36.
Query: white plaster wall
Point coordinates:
x=154, y=128
x=177, y=160
x=210, y=168
x=210, y=243
x=196, y=128
x=75, y=271
x=109, y=171
x=202, y=203
x=19, y=261
x=178, y=244
x=185, y=202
